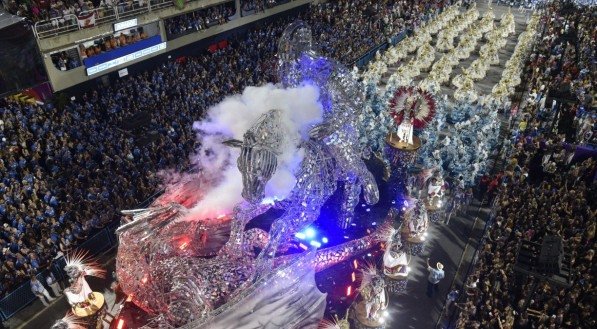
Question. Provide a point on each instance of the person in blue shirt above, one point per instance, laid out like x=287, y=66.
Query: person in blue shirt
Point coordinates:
x=34, y=261
x=50, y=212
x=435, y=276
x=53, y=201
x=40, y=291
x=451, y=298
x=47, y=197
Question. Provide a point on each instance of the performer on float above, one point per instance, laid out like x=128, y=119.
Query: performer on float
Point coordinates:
x=77, y=267
x=69, y=321
x=414, y=228
x=405, y=129
x=369, y=311
x=436, y=187
x=374, y=297
x=335, y=323
x=394, y=259
x=395, y=264
x=435, y=193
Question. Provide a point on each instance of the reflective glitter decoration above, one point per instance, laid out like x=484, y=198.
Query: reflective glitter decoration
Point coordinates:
x=415, y=249
x=396, y=287
x=342, y=98
x=435, y=216
x=395, y=262
x=191, y=272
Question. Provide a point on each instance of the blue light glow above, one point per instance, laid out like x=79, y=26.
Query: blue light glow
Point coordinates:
x=315, y=244
x=324, y=240
x=310, y=233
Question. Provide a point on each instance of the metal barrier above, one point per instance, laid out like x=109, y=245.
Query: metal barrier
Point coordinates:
x=103, y=15
x=56, y=26
x=160, y=4
x=127, y=9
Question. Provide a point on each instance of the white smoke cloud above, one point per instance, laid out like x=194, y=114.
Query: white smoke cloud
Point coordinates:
x=231, y=118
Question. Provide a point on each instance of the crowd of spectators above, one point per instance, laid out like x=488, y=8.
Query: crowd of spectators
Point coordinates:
x=112, y=42
x=64, y=62
x=544, y=190
x=43, y=10
x=249, y=7
x=199, y=20
x=365, y=23
x=58, y=167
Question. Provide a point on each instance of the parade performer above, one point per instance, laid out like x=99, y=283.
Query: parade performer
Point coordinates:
x=78, y=265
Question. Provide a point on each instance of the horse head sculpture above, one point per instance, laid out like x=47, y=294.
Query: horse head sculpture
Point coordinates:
x=259, y=153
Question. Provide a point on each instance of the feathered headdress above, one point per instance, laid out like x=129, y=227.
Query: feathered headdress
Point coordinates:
x=80, y=263
x=70, y=321
x=418, y=103
x=335, y=323
x=367, y=274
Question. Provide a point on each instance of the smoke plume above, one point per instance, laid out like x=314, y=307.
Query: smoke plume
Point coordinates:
x=231, y=118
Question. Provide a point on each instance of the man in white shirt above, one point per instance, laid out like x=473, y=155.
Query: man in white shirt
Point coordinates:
x=53, y=284
x=435, y=276
x=40, y=291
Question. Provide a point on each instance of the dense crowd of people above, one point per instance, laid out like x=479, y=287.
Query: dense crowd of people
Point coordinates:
x=365, y=23
x=112, y=42
x=544, y=190
x=199, y=20
x=249, y=7
x=59, y=166
x=44, y=10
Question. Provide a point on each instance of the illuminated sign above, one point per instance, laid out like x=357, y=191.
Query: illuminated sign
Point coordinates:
x=125, y=25
x=125, y=59
x=123, y=72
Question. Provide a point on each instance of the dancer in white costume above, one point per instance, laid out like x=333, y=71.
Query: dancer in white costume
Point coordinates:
x=395, y=261
x=405, y=130
x=78, y=291
x=77, y=267
x=435, y=187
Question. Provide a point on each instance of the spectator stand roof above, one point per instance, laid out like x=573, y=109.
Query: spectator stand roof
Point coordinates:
x=7, y=19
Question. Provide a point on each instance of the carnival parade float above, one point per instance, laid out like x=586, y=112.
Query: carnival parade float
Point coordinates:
x=189, y=260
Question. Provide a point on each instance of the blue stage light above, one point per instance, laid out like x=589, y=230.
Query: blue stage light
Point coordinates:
x=300, y=235
x=315, y=244
x=310, y=233
x=324, y=240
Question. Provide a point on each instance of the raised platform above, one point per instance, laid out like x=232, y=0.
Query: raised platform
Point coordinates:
x=359, y=314
x=396, y=143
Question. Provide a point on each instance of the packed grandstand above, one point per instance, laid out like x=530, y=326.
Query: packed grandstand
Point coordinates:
x=113, y=146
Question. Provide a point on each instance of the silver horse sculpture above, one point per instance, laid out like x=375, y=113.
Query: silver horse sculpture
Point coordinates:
x=332, y=152
x=205, y=274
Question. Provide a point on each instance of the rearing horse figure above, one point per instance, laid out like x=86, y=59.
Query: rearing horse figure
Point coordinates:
x=331, y=153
